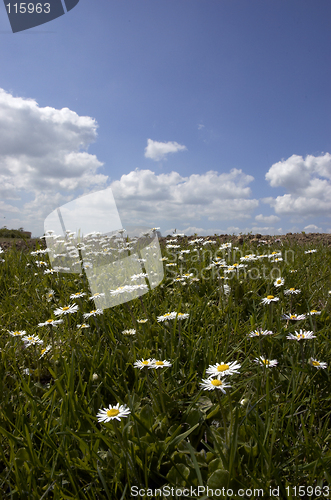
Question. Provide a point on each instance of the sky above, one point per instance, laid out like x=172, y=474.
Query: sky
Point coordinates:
x=202, y=116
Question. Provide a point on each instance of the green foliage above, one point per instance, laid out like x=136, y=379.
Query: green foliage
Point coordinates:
x=270, y=429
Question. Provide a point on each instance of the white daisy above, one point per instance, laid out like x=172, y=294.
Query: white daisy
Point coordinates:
x=279, y=282
x=143, y=363
x=269, y=299
x=268, y=363
x=212, y=384
x=167, y=316
x=77, y=295
x=51, y=322
x=292, y=291
x=259, y=332
x=302, y=335
x=311, y=251
x=294, y=317
x=66, y=310
x=45, y=351
x=159, y=364
x=317, y=364
x=142, y=320
x=19, y=333
x=182, y=316
x=32, y=340
x=95, y=312
x=314, y=312
x=113, y=412
x=223, y=369
x=83, y=325
x=97, y=295
x=129, y=332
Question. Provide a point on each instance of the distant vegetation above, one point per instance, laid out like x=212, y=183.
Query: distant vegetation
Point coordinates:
x=14, y=233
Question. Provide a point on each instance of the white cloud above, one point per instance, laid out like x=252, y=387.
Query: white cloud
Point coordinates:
x=271, y=219
x=43, y=152
x=158, y=150
x=312, y=229
x=308, y=182
x=200, y=126
x=145, y=197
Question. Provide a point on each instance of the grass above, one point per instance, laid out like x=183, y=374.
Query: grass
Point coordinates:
x=270, y=430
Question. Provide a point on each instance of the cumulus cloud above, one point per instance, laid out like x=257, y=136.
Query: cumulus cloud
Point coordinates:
x=308, y=182
x=311, y=228
x=42, y=152
x=146, y=197
x=158, y=150
x=271, y=219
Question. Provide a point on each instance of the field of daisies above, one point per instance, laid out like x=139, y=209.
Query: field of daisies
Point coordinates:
x=218, y=377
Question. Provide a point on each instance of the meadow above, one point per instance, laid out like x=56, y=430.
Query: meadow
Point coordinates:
x=217, y=378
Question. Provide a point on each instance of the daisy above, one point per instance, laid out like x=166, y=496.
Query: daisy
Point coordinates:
x=113, y=412
x=45, y=351
x=311, y=251
x=92, y=313
x=143, y=363
x=32, y=340
x=138, y=276
x=129, y=332
x=268, y=363
x=97, y=295
x=279, y=282
x=77, y=295
x=294, y=317
x=122, y=289
x=291, y=291
x=223, y=369
x=182, y=316
x=51, y=322
x=313, y=312
x=167, y=316
x=83, y=325
x=259, y=332
x=302, y=335
x=66, y=310
x=159, y=364
x=50, y=295
x=317, y=364
x=50, y=271
x=212, y=384
x=269, y=299
x=19, y=333
x=142, y=320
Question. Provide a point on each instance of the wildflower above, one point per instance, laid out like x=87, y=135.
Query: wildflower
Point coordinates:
x=97, y=295
x=259, y=332
x=143, y=363
x=311, y=251
x=66, y=310
x=182, y=316
x=302, y=335
x=93, y=313
x=45, y=351
x=51, y=322
x=122, y=289
x=313, y=312
x=167, y=316
x=50, y=295
x=113, y=412
x=294, y=317
x=19, y=333
x=138, y=276
x=50, y=271
x=159, y=364
x=291, y=291
x=32, y=340
x=223, y=369
x=41, y=263
x=171, y=264
x=142, y=320
x=279, y=282
x=129, y=332
x=83, y=325
x=77, y=295
x=95, y=376
x=212, y=384
x=26, y=371
x=317, y=364
x=269, y=299
x=268, y=363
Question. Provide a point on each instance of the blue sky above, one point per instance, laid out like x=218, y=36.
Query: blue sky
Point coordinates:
x=208, y=116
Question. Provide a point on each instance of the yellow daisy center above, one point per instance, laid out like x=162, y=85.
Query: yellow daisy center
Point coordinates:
x=42, y=351
x=265, y=361
x=313, y=311
x=300, y=336
x=293, y=316
x=222, y=368
x=167, y=314
x=112, y=413
x=270, y=297
x=292, y=289
x=279, y=281
x=159, y=363
x=49, y=321
x=65, y=308
x=216, y=382
x=145, y=362
x=316, y=363
x=93, y=311
x=30, y=338
x=16, y=333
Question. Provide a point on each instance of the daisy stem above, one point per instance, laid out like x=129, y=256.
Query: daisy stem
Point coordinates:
x=160, y=391
x=302, y=354
x=143, y=306
x=270, y=314
x=223, y=417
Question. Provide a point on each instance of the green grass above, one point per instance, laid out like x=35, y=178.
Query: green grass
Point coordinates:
x=270, y=430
